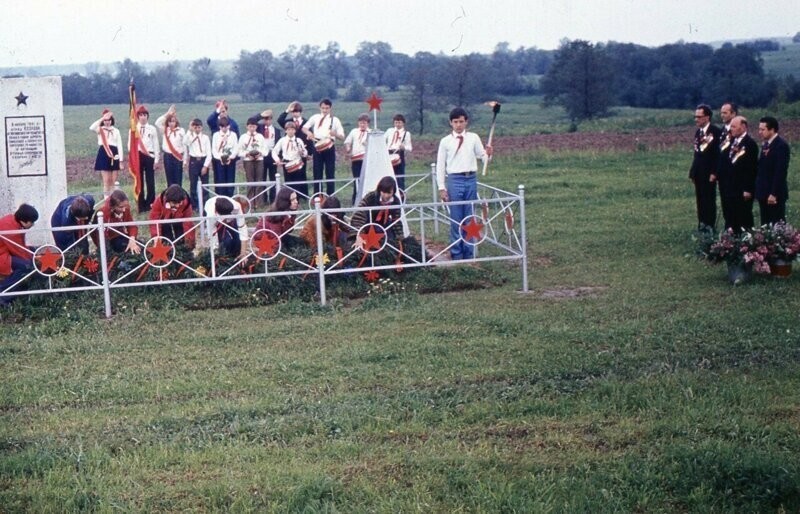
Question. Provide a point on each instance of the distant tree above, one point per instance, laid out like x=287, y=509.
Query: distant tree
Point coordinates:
x=375, y=62
x=796, y=38
x=356, y=92
x=255, y=73
x=203, y=77
x=579, y=80
x=334, y=64
x=420, y=96
x=763, y=45
x=76, y=89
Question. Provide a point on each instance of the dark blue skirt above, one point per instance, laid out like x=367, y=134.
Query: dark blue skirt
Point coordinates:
x=103, y=162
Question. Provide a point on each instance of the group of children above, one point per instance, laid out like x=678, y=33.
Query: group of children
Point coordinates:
x=261, y=148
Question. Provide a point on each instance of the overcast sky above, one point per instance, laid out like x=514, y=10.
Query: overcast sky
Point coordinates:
x=38, y=32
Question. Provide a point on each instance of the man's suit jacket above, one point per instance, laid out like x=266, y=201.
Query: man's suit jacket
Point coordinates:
x=737, y=168
x=706, y=154
x=773, y=165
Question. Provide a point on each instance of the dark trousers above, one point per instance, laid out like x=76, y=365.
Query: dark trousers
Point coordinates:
x=772, y=213
x=224, y=174
x=173, y=169
x=172, y=231
x=355, y=166
x=66, y=238
x=738, y=213
x=325, y=160
x=290, y=180
x=705, y=194
x=400, y=171
x=230, y=245
x=19, y=268
x=271, y=169
x=148, y=180
x=195, y=176
x=118, y=244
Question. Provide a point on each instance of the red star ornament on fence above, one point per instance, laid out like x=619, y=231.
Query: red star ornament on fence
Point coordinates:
x=267, y=244
x=374, y=102
x=49, y=259
x=472, y=230
x=372, y=276
x=372, y=238
x=91, y=265
x=159, y=252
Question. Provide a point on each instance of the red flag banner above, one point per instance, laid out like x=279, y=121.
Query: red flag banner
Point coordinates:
x=133, y=145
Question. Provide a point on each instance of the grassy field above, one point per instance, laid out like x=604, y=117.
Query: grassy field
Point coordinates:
x=632, y=378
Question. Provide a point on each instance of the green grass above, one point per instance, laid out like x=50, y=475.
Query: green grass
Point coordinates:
x=631, y=378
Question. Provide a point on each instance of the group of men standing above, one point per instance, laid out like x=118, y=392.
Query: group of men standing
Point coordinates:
x=730, y=158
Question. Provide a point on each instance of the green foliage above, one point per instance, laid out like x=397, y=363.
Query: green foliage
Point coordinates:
x=579, y=80
x=629, y=379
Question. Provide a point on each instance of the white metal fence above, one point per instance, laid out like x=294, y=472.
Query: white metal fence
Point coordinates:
x=496, y=229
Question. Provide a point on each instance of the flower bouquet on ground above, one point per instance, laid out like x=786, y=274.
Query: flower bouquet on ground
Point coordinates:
x=758, y=250
x=783, y=244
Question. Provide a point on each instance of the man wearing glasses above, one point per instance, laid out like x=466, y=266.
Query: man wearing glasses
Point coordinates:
x=704, y=167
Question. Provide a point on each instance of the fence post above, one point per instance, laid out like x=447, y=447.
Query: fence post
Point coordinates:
x=320, y=264
x=104, y=263
x=435, y=188
x=200, y=206
x=523, y=241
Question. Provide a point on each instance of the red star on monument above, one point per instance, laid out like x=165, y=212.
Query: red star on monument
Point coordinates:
x=372, y=238
x=472, y=230
x=158, y=252
x=267, y=244
x=49, y=260
x=372, y=276
x=374, y=102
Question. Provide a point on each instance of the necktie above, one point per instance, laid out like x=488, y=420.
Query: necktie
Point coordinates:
x=321, y=120
x=765, y=148
x=460, y=142
x=361, y=136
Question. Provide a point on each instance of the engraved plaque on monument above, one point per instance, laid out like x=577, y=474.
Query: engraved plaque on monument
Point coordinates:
x=33, y=165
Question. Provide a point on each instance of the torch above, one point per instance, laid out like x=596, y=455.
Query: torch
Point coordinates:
x=495, y=109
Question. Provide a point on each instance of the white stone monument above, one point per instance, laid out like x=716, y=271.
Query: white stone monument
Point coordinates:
x=33, y=167
x=377, y=165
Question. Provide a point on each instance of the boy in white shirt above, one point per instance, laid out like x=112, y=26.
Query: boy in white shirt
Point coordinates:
x=324, y=128
x=148, y=158
x=355, y=145
x=457, y=162
x=290, y=152
x=398, y=141
x=198, y=158
x=252, y=149
x=223, y=157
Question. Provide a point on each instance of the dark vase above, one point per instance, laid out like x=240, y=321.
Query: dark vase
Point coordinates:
x=780, y=268
x=739, y=272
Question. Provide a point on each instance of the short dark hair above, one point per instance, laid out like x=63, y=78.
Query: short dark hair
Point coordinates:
x=222, y=121
x=326, y=101
x=26, y=214
x=386, y=185
x=223, y=205
x=459, y=112
x=196, y=122
x=705, y=108
x=399, y=117
x=80, y=208
x=770, y=121
x=252, y=121
x=734, y=107
x=174, y=194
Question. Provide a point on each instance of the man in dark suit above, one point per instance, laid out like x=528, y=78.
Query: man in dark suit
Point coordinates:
x=773, y=165
x=704, y=167
x=736, y=176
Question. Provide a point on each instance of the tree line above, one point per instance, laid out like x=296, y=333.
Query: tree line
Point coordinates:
x=585, y=78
